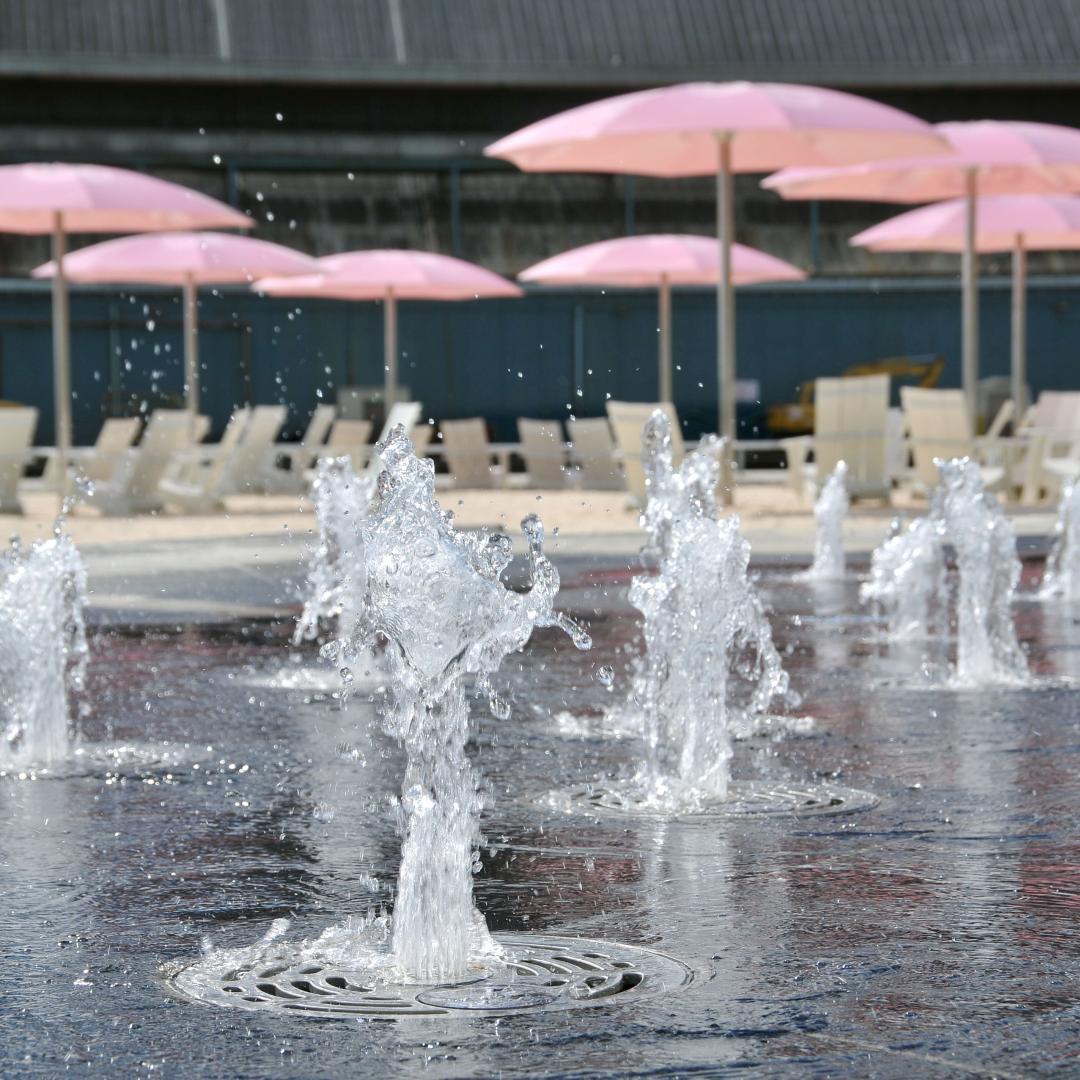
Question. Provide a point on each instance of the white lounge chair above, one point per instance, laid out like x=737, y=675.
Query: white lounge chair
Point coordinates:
x=97, y=462
x=544, y=451
x=468, y=455
x=851, y=424
x=246, y=474
x=939, y=426
x=133, y=486
x=349, y=438
x=1050, y=431
x=16, y=437
x=407, y=414
x=593, y=455
x=297, y=458
x=203, y=489
x=628, y=418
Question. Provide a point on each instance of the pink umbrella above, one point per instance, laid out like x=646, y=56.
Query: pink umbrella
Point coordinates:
x=697, y=129
x=658, y=261
x=59, y=199
x=391, y=275
x=990, y=157
x=185, y=260
x=1016, y=223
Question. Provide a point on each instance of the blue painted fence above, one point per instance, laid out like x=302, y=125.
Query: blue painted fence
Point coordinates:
x=548, y=355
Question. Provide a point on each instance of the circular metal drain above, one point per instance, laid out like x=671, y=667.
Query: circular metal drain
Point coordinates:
x=749, y=798
x=534, y=973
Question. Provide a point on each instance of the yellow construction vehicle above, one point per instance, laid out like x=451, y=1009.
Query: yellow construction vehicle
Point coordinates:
x=797, y=418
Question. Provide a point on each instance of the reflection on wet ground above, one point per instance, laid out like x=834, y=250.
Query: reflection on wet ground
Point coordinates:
x=935, y=935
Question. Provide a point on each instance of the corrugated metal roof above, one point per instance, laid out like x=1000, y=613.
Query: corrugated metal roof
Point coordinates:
x=542, y=42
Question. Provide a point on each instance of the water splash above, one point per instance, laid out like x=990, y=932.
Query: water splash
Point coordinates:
x=341, y=499
x=709, y=658
x=1062, y=574
x=830, y=510
x=436, y=598
x=43, y=650
x=907, y=580
x=987, y=650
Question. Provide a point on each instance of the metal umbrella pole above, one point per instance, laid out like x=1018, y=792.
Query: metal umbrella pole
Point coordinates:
x=666, y=374
x=725, y=309
x=61, y=353
x=190, y=302
x=1019, y=328
x=390, y=350
x=970, y=288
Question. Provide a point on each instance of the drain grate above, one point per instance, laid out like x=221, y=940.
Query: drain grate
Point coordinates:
x=749, y=798
x=536, y=973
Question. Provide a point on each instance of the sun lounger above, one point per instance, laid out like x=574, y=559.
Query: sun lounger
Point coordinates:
x=468, y=455
x=349, y=438
x=292, y=460
x=593, y=455
x=202, y=489
x=939, y=426
x=628, y=418
x=851, y=424
x=16, y=437
x=246, y=474
x=133, y=486
x=544, y=451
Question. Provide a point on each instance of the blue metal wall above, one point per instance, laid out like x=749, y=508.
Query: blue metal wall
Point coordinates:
x=547, y=355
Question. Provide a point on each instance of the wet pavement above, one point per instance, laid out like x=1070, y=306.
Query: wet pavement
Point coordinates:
x=934, y=935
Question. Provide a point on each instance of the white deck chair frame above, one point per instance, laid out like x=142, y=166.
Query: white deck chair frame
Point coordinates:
x=592, y=452
x=16, y=437
x=544, y=450
x=133, y=486
x=468, y=454
x=627, y=419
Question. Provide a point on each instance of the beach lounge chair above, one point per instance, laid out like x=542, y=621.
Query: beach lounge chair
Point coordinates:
x=405, y=413
x=851, y=424
x=115, y=439
x=246, y=474
x=939, y=426
x=593, y=455
x=1050, y=432
x=544, y=451
x=16, y=436
x=349, y=438
x=628, y=418
x=97, y=462
x=133, y=486
x=201, y=490
x=292, y=460
x=468, y=455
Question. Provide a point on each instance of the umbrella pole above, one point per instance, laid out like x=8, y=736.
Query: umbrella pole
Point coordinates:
x=1019, y=329
x=970, y=286
x=191, y=349
x=725, y=304
x=390, y=351
x=61, y=354
x=666, y=374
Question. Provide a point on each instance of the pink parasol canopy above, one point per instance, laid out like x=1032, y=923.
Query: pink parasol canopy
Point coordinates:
x=1016, y=223
x=697, y=129
x=59, y=198
x=673, y=131
x=390, y=275
x=989, y=157
x=186, y=260
x=658, y=261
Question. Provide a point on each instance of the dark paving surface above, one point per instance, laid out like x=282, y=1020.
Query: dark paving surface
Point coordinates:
x=936, y=935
